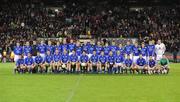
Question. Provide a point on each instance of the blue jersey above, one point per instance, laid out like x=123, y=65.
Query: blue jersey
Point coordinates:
x=79, y=50
x=94, y=58
x=121, y=50
x=128, y=62
x=85, y=48
x=29, y=61
x=27, y=49
x=73, y=58
x=90, y=49
x=141, y=61
x=49, y=58
x=84, y=58
x=98, y=49
x=64, y=47
x=56, y=57
x=151, y=50
x=151, y=63
x=106, y=50
x=65, y=58
x=136, y=51
x=111, y=59
x=18, y=50
x=114, y=48
x=128, y=49
x=144, y=51
x=38, y=59
x=20, y=62
x=119, y=58
x=42, y=48
x=59, y=48
x=103, y=59
x=71, y=47
x=50, y=48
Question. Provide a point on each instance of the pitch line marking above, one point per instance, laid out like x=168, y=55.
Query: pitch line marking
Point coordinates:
x=70, y=96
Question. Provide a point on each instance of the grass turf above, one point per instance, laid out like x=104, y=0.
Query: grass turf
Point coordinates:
x=88, y=88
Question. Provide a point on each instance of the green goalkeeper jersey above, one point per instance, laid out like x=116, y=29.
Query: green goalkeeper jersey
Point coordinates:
x=164, y=61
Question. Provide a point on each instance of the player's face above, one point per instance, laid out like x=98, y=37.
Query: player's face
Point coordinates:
x=159, y=41
x=84, y=53
x=113, y=43
x=140, y=56
x=150, y=58
x=48, y=52
x=18, y=44
x=42, y=42
x=71, y=41
x=143, y=45
x=102, y=53
x=27, y=44
x=73, y=52
x=29, y=55
x=57, y=43
x=118, y=52
x=64, y=51
x=38, y=54
x=57, y=52
x=136, y=44
x=77, y=43
x=49, y=42
x=150, y=42
x=34, y=42
x=64, y=41
x=94, y=52
x=128, y=43
x=120, y=45
x=98, y=43
x=110, y=53
x=106, y=44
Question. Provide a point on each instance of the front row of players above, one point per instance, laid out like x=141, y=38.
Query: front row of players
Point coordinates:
x=65, y=63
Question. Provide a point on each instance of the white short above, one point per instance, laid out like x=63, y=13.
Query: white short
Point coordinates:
x=131, y=56
x=140, y=67
x=89, y=55
x=70, y=53
x=145, y=58
x=25, y=56
x=43, y=55
x=83, y=64
x=16, y=58
x=159, y=57
x=135, y=59
x=119, y=64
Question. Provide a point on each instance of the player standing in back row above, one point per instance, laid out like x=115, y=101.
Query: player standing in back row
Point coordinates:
x=159, y=50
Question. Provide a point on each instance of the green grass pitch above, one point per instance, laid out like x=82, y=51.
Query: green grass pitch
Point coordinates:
x=88, y=88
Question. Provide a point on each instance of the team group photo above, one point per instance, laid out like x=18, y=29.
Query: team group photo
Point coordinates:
x=91, y=57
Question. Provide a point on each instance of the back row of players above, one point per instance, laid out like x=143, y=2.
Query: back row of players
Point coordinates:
x=76, y=57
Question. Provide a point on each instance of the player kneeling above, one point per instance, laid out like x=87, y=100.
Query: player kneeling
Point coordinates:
x=93, y=65
x=164, y=65
x=151, y=65
x=128, y=63
x=29, y=63
x=48, y=62
x=20, y=67
x=84, y=62
x=140, y=65
x=74, y=64
x=56, y=63
x=39, y=63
